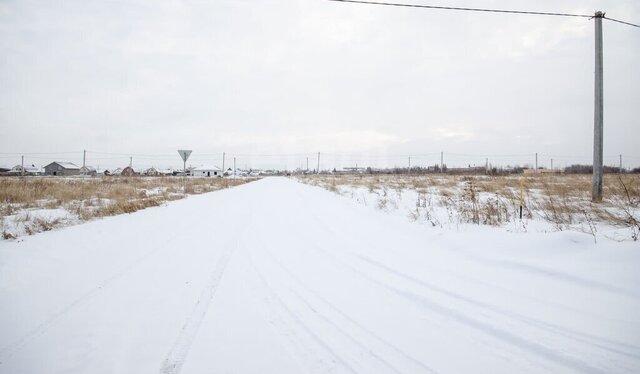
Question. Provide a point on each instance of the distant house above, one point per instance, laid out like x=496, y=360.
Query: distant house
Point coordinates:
x=128, y=172
x=88, y=170
x=28, y=170
x=152, y=172
x=206, y=171
x=59, y=168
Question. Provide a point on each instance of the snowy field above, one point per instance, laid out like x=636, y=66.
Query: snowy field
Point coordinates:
x=550, y=202
x=30, y=205
x=276, y=276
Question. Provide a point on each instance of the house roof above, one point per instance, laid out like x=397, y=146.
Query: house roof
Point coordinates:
x=66, y=165
x=206, y=168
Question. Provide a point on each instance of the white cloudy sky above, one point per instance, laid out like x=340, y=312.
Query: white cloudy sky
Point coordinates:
x=286, y=78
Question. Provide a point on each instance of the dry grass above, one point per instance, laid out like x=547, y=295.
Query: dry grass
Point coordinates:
x=87, y=198
x=564, y=201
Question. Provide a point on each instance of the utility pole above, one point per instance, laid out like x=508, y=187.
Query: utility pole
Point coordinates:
x=620, y=169
x=234, y=168
x=486, y=165
x=131, y=161
x=598, y=115
x=84, y=158
x=409, y=170
x=22, y=167
x=318, y=163
x=223, y=171
x=536, y=162
x=307, y=164
x=551, y=164
x=442, y=162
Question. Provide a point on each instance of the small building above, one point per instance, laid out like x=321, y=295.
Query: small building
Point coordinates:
x=128, y=172
x=88, y=170
x=152, y=172
x=60, y=168
x=27, y=170
x=206, y=171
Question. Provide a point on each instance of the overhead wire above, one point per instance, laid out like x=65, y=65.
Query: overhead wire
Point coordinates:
x=484, y=10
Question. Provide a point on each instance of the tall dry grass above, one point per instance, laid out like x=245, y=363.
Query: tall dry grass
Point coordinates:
x=562, y=200
x=92, y=197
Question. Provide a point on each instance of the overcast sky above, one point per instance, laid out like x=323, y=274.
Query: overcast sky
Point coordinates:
x=286, y=78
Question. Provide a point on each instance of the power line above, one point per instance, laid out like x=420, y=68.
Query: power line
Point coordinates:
x=486, y=10
x=623, y=22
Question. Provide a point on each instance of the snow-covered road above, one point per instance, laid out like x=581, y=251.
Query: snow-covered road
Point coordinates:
x=280, y=277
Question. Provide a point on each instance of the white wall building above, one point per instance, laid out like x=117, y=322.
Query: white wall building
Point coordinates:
x=206, y=171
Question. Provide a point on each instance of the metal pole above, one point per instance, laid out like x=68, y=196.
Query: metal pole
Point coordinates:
x=223, y=171
x=551, y=164
x=442, y=162
x=409, y=171
x=598, y=167
x=84, y=158
x=131, y=161
x=307, y=164
x=620, y=169
x=536, y=162
x=22, y=167
x=234, y=167
x=486, y=165
x=318, y=163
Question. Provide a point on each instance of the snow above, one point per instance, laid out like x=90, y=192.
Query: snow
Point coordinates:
x=32, y=220
x=430, y=206
x=286, y=278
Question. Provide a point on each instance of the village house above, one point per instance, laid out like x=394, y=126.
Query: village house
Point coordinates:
x=27, y=170
x=59, y=168
x=152, y=172
x=206, y=171
x=88, y=170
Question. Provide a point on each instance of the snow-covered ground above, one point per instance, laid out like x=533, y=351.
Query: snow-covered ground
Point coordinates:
x=280, y=277
x=449, y=203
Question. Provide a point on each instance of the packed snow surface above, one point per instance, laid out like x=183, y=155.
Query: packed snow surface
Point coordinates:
x=280, y=277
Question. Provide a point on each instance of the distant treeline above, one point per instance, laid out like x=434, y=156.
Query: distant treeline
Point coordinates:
x=436, y=169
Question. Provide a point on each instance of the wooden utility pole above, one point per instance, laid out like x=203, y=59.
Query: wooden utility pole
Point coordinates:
x=598, y=115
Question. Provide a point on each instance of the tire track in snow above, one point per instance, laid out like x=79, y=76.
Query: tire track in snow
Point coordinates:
x=172, y=364
x=49, y=322
x=414, y=362
x=496, y=332
x=549, y=327
x=272, y=297
x=591, y=340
